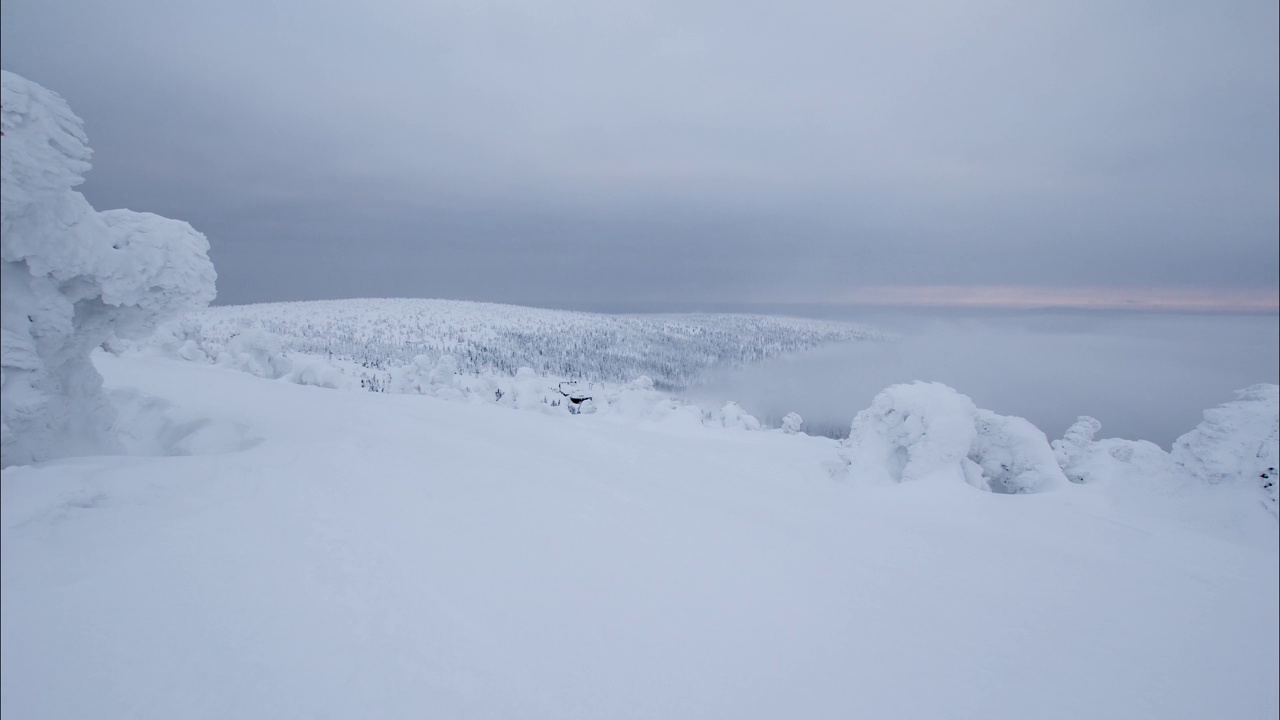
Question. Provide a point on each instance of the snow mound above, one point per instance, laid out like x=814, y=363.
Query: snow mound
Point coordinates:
x=256, y=352
x=427, y=376
x=1135, y=462
x=1236, y=445
x=733, y=416
x=73, y=278
x=791, y=423
x=922, y=431
x=1014, y=455
x=1238, y=441
x=1075, y=441
x=1086, y=460
x=181, y=339
x=319, y=374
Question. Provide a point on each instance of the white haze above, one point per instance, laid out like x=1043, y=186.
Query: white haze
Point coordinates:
x=1144, y=376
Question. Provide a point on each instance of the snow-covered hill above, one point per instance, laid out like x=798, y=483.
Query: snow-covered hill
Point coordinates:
x=326, y=554
x=380, y=334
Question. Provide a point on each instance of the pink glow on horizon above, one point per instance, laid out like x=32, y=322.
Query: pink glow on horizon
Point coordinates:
x=1019, y=296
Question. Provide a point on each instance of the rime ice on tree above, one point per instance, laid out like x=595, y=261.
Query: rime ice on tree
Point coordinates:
x=73, y=278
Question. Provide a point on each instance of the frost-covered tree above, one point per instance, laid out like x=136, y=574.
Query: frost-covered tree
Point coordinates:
x=1237, y=444
x=922, y=431
x=1076, y=440
x=256, y=352
x=73, y=278
x=1238, y=441
x=733, y=416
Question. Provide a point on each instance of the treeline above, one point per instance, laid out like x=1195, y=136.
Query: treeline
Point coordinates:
x=673, y=350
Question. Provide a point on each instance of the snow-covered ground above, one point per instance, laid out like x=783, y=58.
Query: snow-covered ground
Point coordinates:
x=320, y=553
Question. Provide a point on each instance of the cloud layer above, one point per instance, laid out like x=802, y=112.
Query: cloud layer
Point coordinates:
x=579, y=153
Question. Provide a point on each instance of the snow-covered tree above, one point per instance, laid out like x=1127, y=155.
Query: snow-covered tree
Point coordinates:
x=1076, y=440
x=1237, y=444
x=924, y=431
x=733, y=416
x=1238, y=441
x=1015, y=456
x=73, y=278
x=257, y=352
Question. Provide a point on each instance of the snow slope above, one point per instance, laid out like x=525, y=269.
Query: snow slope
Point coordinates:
x=380, y=334
x=311, y=553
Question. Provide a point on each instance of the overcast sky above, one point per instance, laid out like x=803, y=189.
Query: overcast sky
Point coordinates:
x=594, y=154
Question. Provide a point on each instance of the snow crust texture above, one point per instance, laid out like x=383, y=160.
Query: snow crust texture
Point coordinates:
x=73, y=278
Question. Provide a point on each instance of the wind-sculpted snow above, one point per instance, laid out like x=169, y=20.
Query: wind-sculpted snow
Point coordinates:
x=923, y=431
x=673, y=350
x=733, y=416
x=1236, y=445
x=1237, y=442
x=73, y=278
x=258, y=353
x=1076, y=440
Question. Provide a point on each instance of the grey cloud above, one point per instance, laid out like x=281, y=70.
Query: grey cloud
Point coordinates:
x=579, y=153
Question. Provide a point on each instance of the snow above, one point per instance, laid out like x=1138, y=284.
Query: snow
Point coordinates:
x=1236, y=445
x=378, y=335
x=353, y=554
x=256, y=352
x=733, y=416
x=73, y=278
x=1238, y=442
x=515, y=523
x=928, y=431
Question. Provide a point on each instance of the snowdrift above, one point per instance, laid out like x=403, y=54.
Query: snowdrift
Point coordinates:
x=73, y=278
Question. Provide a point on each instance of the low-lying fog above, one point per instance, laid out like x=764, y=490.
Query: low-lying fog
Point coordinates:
x=1145, y=376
